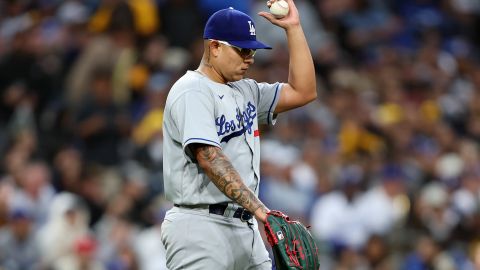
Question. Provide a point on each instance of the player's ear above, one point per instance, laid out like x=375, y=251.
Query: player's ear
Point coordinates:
x=214, y=47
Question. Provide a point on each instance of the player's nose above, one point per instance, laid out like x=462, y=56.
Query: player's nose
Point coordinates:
x=249, y=60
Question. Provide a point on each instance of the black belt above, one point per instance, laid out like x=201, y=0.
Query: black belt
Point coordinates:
x=219, y=209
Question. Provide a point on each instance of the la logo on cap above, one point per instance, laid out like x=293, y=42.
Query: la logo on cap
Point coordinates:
x=252, y=28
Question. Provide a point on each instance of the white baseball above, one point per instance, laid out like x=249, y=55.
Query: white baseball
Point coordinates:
x=279, y=9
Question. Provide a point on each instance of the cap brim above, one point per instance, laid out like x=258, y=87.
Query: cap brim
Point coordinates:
x=250, y=44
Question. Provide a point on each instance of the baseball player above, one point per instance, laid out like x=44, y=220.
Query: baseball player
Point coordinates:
x=212, y=148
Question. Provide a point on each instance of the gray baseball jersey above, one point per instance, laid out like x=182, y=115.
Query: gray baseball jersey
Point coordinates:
x=199, y=110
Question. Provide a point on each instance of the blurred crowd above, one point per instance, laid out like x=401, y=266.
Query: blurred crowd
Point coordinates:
x=384, y=165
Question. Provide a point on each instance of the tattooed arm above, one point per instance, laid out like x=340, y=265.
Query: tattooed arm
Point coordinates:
x=222, y=173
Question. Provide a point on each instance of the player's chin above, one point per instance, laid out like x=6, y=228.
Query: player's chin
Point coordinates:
x=239, y=76
x=242, y=72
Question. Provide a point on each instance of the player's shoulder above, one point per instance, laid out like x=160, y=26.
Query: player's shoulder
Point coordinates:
x=190, y=83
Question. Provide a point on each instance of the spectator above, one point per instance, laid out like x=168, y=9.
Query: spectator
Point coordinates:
x=18, y=249
x=67, y=222
x=114, y=51
x=335, y=215
x=101, y=123
x=385, y=200
x=35, y=191
x=435, y=213
x=68, y=170
x=427, y=255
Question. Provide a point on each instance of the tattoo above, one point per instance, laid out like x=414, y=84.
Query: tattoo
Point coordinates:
x=226, y=178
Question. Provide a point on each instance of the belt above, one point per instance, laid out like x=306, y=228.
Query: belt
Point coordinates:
x=221, y=209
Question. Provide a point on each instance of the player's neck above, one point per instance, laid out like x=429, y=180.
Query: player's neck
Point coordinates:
x=210, y=72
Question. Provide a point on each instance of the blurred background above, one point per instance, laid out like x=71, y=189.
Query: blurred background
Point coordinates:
x=384, y=165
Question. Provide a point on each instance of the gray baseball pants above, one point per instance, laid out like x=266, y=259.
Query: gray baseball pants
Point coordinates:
x=196, y=239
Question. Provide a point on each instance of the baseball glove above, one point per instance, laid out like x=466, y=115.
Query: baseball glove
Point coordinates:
x=292, y=244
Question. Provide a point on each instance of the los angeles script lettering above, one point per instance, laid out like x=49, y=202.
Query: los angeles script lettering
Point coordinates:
x=242, y=123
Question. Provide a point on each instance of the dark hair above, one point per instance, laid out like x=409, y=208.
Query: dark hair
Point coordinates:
x=122, y=18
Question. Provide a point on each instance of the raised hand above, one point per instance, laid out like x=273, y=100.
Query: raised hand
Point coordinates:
x=292, y=19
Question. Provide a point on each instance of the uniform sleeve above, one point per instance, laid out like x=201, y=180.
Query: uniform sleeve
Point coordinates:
x=268, y=96
x=194, y=117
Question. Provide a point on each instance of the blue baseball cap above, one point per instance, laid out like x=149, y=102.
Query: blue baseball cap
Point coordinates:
x=235, y=27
